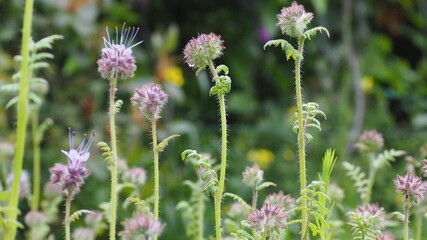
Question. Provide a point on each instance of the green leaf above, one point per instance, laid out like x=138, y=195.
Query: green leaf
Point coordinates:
x=10, y=88
x=238, y=199
x=106, y=152
x=265, y=185
x=165, y=142
x=222, y=68
x=12, y=102
x=312, y=32
x=76, y=215
x=286, y=46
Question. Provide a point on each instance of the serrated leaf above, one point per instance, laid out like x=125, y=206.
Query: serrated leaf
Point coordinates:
x=76, y=215
x=286, y=46
x=12, y=102
x=118, y=106
x=238, y=199
x=222, y=68
x=10, y=88
x=312, y=32
x=265, y=185
x=165, y=142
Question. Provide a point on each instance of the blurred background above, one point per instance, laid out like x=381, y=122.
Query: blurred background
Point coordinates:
x=370, y=74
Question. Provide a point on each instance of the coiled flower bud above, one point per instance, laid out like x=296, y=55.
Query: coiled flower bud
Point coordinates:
x=116, y=59
x=370, y=141
x=199, y=51
x=253, y=176
x=293, y=20
x=150, y=99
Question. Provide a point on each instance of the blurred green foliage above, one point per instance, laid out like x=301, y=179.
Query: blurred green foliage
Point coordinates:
x=389, y=38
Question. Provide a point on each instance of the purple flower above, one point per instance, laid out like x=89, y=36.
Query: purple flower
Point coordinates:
x=253, y=176
x=116, y=59
x=71, y=176
x=84, y=234
x=135, y=175
x=370, y=141
x=424, y=168
x=269, y=218
x=150, y=99
x=411, y=187
x=201, y=50
x=279, y=199
x=387, y=236
x=143, y=226
x=35, y=218
x=293, y=20
x=24, y=183
x=238, y=211
x=93, y=219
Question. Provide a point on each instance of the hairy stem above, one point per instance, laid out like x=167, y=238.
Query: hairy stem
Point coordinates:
x=254, y=197
x=22, y=120
x=36, y=158
x=301, y=133
x=419, y=223
x=264, y=234
x=156, y=169
x=407, y=205
x=219, y=193
x=113, y=198
x=67, y=217
x=305, y=234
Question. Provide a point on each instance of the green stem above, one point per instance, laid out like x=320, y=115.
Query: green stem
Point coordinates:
x=67, y=217
x=372, y=172
x=113, y=203
x=218, y=195
x=22, y=119
x=36, y=158
x=156, y=169
x=407, y=205
x=254, y=197
x=264, y=235
x=419, y=223
x=301, y=133
x=305, y=234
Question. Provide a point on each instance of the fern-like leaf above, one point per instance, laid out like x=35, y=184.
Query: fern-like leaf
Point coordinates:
x=360, y=181
x=139, y=203
x=286, y=46
x=118, y=106
x=165, y=142
x=309, y=112
x=265, y=185
x=238, y=199
x=76, y=215
x=312, y=32
x=384, y=159
x=106, y=152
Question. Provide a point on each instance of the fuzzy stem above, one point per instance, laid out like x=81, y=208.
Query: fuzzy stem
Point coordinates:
x=406, y=205
x=301, y=133
x=67, y=217
x=305, y=234
x=254, y=197
x=371, y=179
x=419, y=223
x=113, y=199
x=156, y=169
x=264, y=235
x=218, y=195
x=22, y=119
x=36, y=158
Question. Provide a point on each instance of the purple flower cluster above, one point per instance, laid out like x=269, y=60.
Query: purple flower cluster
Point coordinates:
x=135, y=175
x=70, y=177
x=143, y=226
x=411, y=187
x=150, y=99
x=280, y=199
x=253, y=176
x=270, y=218
x=116, y=59
x=199, y=51
x=35, y=218
x=293, y=20
x=370, y=141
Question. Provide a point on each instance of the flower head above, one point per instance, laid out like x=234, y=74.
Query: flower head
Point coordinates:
x=93, y=219
x=150, y=99
x=24, y=183
x=253, y=176
x=143, y=226
x=293, y=20
x=71, y=176
x=270, y=218
x=279, y=199
x=424, y=168
x=35, y=218
x=411, y=187
x=238, y=211
x=84, y=234
x=370, y=141
x=368, y=217
x=135, y=175
x=116, y=59
x=199, y=51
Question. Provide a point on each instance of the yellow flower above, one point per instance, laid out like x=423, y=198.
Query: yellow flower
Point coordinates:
x=288, y=154
x=263, y=157
x=367, y=84
x=174, y=75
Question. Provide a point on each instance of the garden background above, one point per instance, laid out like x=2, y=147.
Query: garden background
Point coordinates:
x=372, y=71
